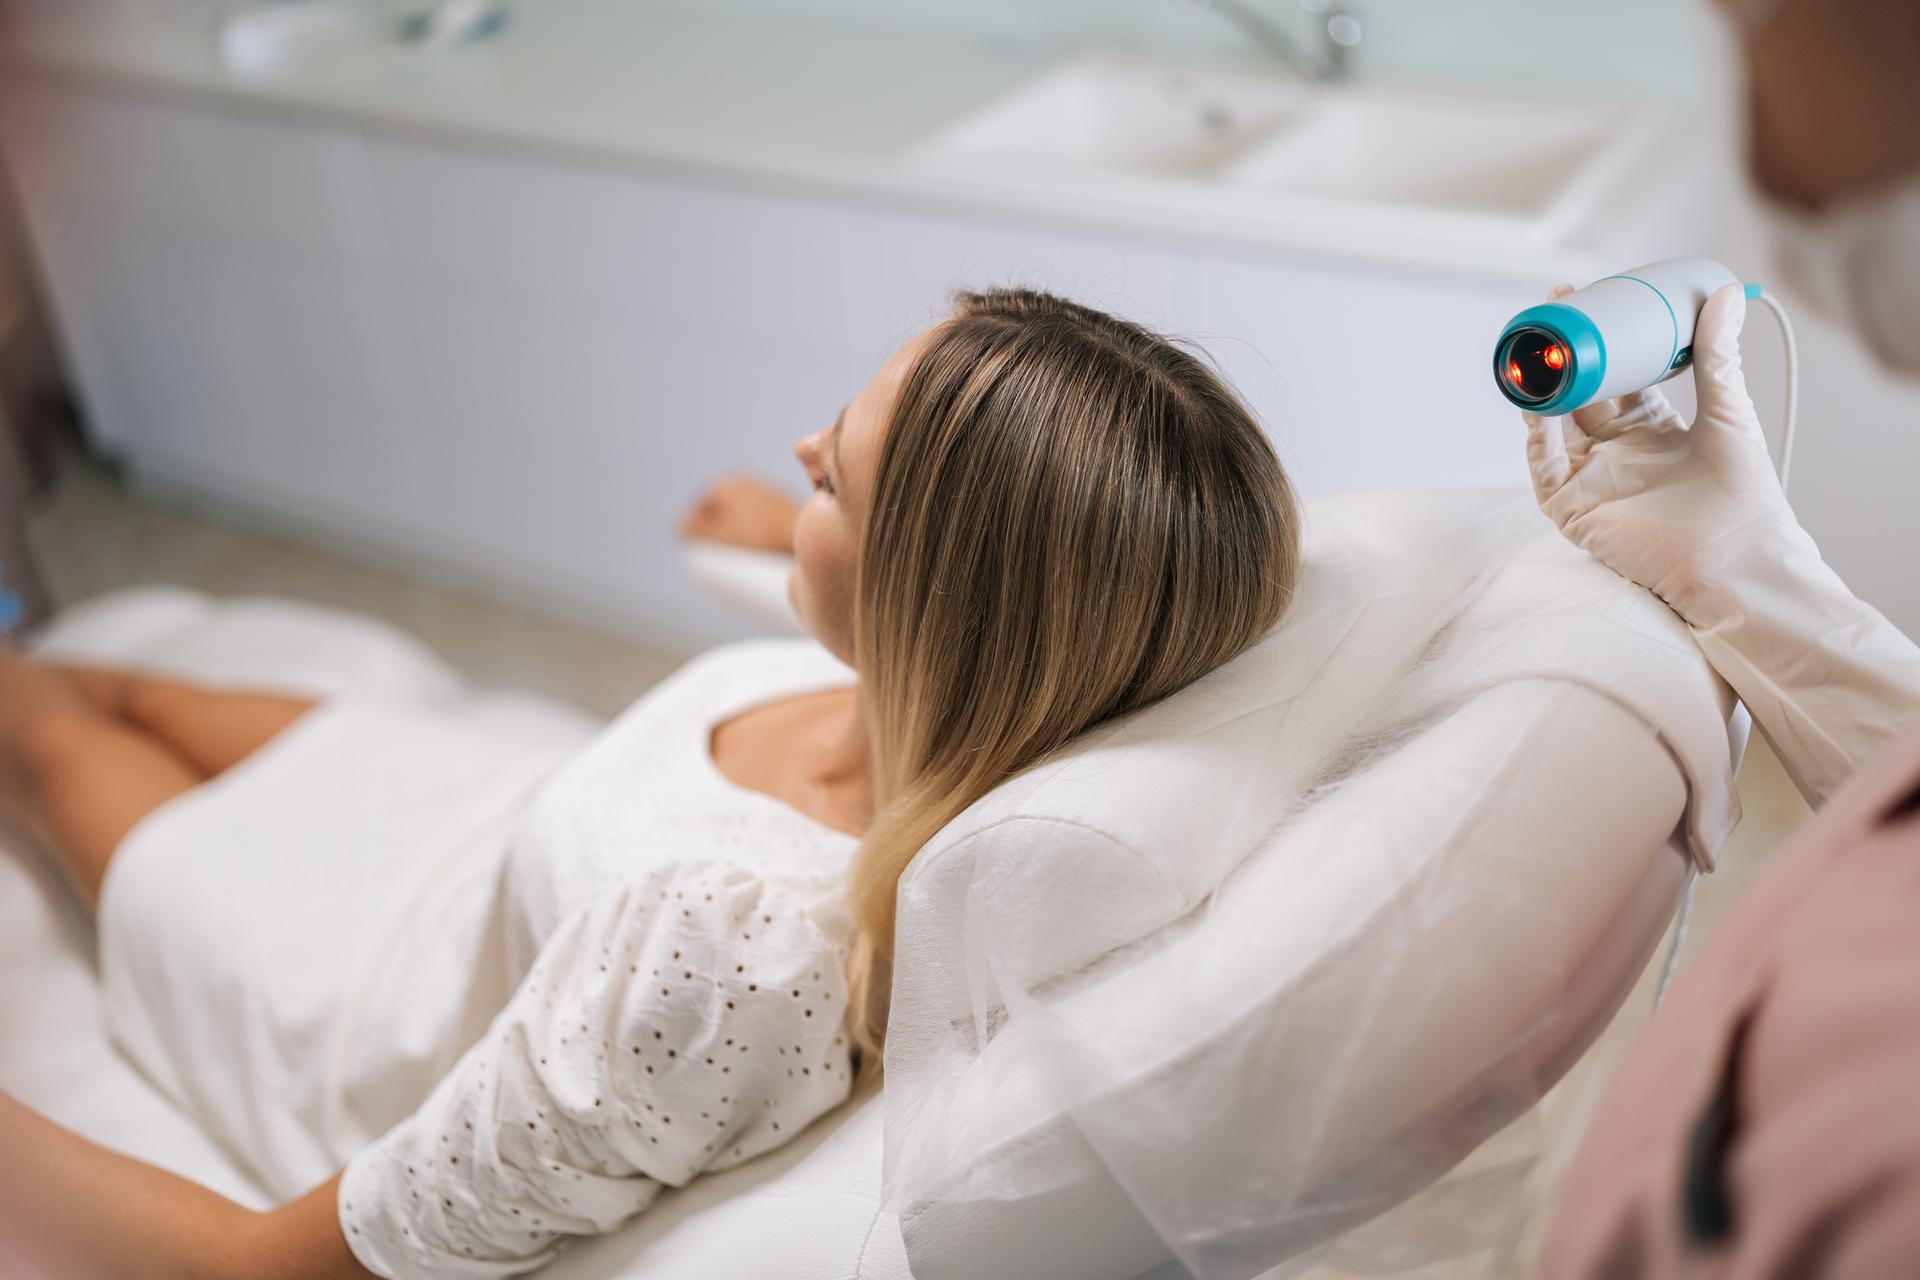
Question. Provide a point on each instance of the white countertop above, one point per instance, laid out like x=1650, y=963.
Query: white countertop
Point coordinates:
x=833, y=107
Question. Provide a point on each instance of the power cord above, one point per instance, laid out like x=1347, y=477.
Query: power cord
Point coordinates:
x=1784, y=466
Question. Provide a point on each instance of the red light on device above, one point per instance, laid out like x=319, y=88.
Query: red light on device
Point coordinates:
x=1555, y=356
x=1513, y=374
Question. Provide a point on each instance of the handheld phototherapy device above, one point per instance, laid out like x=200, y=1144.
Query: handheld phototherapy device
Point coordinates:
x=1616, y=335
x=1622, y=333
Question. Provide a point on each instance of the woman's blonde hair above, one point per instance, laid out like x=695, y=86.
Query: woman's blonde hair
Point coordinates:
x=1072, y=518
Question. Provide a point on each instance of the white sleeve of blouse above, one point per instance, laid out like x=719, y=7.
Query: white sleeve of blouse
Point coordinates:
x=685, y=1022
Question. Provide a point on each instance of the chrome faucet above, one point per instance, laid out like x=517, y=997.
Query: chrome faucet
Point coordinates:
x=1340, y=34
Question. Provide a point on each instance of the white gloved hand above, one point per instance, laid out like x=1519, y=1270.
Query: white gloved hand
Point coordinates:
x=1697, y=516
x=1655, y=500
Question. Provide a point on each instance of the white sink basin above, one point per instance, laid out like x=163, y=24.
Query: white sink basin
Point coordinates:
x=1234, y=145
x=1515, y=164
x=1102, y=116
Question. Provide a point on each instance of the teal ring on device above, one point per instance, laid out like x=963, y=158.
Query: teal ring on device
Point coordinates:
x=1574, y=331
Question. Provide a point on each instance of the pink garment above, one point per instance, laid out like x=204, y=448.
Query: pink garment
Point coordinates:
x=1767, y=1121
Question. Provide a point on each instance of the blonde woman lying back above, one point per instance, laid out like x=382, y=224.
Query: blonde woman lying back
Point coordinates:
x=517, y=983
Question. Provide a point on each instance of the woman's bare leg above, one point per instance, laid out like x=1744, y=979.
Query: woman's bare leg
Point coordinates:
x=74, y=776
x=212, y=729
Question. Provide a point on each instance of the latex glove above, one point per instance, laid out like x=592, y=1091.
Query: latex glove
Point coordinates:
x=1654, y=500
x=1697, y=516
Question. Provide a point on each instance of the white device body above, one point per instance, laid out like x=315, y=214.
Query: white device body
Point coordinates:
x=1646, y=318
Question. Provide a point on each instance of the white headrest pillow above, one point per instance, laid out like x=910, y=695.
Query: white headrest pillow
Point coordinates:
x=1255, y=963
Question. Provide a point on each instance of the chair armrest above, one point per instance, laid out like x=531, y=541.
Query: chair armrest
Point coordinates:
x=754, y=582
x=1575, y=842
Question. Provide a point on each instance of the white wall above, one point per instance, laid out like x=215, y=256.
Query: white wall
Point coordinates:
x=1637, y=44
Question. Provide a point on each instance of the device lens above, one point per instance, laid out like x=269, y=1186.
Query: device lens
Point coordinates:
x=1533, y=366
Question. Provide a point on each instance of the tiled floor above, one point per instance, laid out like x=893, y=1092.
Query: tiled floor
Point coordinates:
x=93, y=536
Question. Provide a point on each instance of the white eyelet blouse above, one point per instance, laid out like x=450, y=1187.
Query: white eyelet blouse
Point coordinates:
x=683, y=941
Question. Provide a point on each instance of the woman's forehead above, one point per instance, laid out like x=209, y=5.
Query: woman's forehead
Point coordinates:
x=867, y=414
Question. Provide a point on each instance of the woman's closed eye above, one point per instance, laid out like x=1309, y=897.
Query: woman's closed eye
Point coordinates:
x=823, y=483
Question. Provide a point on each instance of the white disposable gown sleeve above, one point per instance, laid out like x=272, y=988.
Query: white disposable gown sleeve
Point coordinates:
x=1830, y=682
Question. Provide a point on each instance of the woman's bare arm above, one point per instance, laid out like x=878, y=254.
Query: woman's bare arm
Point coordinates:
x=301, y=1240
x=72, y=1208
x=743, y=511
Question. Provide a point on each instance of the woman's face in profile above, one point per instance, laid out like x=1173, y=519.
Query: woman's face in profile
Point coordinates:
x=841, y=460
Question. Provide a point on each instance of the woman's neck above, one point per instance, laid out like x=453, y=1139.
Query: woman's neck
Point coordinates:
x=842, y=764
x=810, y=751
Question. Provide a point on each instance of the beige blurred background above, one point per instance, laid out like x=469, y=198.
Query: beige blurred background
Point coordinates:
x=451, y=343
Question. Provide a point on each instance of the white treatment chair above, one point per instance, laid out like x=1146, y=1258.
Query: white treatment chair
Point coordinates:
x=813, y=1210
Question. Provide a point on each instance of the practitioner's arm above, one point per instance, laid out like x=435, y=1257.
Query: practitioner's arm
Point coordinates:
x=72, y=1208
